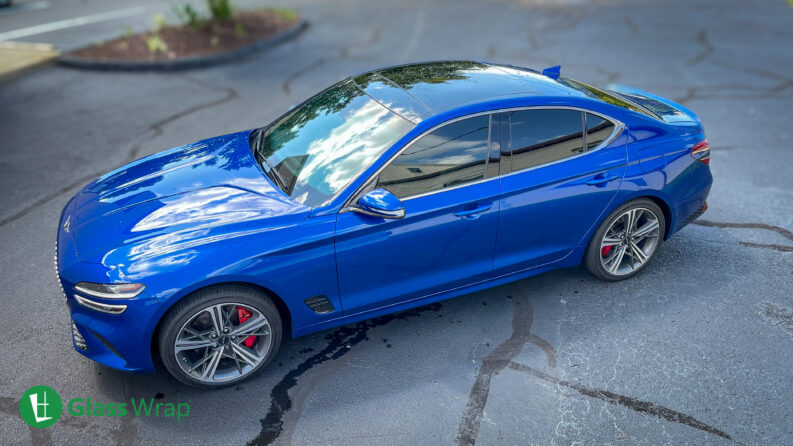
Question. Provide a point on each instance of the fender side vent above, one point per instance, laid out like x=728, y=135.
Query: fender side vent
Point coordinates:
x=320, y=304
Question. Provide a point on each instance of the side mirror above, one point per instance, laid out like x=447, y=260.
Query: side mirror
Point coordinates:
x=380, y=203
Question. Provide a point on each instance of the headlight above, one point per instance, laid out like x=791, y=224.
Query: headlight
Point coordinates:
x=110, y=290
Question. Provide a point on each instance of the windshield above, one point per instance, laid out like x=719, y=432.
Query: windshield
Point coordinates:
x=314, y=151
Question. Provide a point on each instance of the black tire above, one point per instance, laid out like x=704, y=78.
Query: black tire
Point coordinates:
x=592, y=257
x=183, y=311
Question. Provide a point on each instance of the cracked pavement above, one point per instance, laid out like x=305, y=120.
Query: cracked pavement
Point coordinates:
x=697, y=349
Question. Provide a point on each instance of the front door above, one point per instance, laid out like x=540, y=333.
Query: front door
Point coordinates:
x=447, y=237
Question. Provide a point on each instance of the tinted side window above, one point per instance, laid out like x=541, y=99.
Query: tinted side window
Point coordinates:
x=597, y=130
x=451, y=155
x=544, y=136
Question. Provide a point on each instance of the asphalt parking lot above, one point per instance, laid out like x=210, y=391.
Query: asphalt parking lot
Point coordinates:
x=697, y=349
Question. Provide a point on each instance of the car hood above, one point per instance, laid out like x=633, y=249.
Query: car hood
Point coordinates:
x=197, y=193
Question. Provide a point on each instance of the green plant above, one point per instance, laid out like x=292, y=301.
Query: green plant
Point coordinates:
x=156, y=44
x=160, y=21
x=220, y=9
x=187, y=14
x=239, y=30
x=127, y=32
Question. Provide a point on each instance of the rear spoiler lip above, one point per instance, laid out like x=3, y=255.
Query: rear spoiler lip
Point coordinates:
x=690, y=117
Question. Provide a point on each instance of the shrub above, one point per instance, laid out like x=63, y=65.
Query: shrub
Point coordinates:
x=220, y=9
x=156, y=44
x=187, y=14
x=160, y=21
x=239, y=30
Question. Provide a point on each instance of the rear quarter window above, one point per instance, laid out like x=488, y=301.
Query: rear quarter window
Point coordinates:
x=597, y=130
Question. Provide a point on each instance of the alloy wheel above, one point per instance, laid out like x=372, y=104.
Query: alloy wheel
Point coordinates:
x=630, y=241
x=223, y=342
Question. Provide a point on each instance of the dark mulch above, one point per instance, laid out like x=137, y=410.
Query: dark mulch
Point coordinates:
x=183, y=41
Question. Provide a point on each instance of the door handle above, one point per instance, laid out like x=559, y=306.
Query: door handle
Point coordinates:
x=601, y=179
x=474, y=213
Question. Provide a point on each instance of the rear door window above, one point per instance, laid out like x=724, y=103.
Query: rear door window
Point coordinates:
x=544, y=136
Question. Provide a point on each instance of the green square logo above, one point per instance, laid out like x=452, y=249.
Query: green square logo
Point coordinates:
x=40, y=406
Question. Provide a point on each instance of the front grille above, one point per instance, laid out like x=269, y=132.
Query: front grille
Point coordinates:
x=79, y=340
x=320, y=304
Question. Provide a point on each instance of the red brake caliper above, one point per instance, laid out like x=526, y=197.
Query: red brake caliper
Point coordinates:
x=605, y=250
x=244, y=315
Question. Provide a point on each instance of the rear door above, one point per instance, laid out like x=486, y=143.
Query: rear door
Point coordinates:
x=561, y=169
x=448, y=185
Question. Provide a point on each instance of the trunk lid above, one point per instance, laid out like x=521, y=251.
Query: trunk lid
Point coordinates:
x=669, y=111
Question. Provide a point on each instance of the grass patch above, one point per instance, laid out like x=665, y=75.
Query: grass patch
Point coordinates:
x=289, y=15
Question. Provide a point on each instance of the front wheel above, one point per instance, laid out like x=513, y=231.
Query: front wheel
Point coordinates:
x=626, y=241
x=220, y=336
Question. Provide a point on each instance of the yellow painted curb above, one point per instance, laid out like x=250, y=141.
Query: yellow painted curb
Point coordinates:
x=18, y=57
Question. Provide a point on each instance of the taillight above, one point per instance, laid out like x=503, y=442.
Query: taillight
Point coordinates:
x=701, y=152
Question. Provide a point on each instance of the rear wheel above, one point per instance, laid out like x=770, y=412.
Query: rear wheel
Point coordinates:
x=220, y=336
x=626, y=241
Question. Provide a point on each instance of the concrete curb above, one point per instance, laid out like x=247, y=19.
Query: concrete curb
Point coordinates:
x=186, y=63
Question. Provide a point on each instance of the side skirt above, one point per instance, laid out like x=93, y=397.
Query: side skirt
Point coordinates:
x=572, y=259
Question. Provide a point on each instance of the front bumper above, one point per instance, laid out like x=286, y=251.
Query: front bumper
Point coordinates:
x=110, y=339
x=121, y=341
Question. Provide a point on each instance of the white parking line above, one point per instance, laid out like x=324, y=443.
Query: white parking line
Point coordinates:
x=70, y=23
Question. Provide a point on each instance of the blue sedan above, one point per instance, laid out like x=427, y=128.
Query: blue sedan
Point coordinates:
x=389, y=190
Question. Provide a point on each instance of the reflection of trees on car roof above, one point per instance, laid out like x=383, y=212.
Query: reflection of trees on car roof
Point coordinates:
x=406, y=76
x=337, y=97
